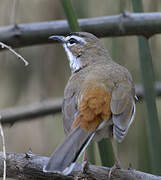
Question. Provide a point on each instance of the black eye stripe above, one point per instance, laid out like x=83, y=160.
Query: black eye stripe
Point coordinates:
x=72, y=41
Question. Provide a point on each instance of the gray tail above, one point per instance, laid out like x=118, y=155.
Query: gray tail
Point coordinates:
x=68, y=152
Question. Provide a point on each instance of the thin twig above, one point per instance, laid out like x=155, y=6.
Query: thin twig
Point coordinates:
x=4, y=151
x=14, y=52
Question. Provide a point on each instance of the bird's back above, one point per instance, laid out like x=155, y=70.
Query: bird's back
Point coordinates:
x=100, y=79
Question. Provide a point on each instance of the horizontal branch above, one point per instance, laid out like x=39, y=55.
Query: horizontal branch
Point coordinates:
x=48, y=107
x=29, y=166
x=11, y=115
x=126, y=24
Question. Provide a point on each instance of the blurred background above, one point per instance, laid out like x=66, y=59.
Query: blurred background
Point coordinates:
x=48, y=72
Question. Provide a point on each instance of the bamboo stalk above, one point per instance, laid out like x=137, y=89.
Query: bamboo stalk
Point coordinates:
x=91, y=153
x=106, y=154
x=153, y=128
x=71, y=15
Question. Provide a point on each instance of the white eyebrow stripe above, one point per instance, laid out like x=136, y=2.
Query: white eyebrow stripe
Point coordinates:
x=79, y=39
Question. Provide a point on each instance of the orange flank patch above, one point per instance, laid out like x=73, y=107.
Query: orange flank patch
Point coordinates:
x=94, y=107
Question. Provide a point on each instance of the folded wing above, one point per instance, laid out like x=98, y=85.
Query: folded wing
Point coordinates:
x=123, y=110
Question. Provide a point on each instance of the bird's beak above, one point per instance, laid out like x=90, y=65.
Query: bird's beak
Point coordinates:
x=60, y=39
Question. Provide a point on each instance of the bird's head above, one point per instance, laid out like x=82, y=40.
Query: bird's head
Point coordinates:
x=82, y=49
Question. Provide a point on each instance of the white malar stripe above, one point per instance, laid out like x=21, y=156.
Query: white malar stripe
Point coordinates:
x=74, y=62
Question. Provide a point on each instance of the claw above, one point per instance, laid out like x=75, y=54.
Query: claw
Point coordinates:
x=84, y=162
x=84, y=166
x=113, y=168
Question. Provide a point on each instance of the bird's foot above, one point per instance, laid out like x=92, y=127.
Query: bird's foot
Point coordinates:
x=84, y=165
x=84, y=162
x=113, y=168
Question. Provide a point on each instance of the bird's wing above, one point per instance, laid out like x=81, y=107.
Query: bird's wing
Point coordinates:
x=69, y=110
x=123, y=109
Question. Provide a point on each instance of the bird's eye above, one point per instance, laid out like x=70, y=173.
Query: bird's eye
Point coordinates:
x=72, y=41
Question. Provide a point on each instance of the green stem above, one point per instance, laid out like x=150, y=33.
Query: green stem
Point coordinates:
x=153, y=127
x=91, y=153
x=106, y=154
x=71, y=15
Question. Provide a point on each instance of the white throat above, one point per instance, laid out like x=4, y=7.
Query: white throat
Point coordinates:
x=74, y=62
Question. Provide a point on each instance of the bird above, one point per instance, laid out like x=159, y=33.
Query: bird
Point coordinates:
x=99, y=100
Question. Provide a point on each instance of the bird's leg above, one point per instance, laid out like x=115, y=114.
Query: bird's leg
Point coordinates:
x=117, y=161
x=85, y=156
x=84, y=161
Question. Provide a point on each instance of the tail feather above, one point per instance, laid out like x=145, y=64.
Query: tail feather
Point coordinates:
x=68, y=152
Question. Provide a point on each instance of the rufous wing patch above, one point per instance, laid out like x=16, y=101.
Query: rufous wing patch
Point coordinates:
x=93, y=108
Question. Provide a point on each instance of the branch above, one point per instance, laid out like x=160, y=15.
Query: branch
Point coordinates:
x=29, y=166
x=48, y=107
x=11, y=115
x=146, y=24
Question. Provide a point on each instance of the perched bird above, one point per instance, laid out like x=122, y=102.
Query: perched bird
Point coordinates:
x=99, y=100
